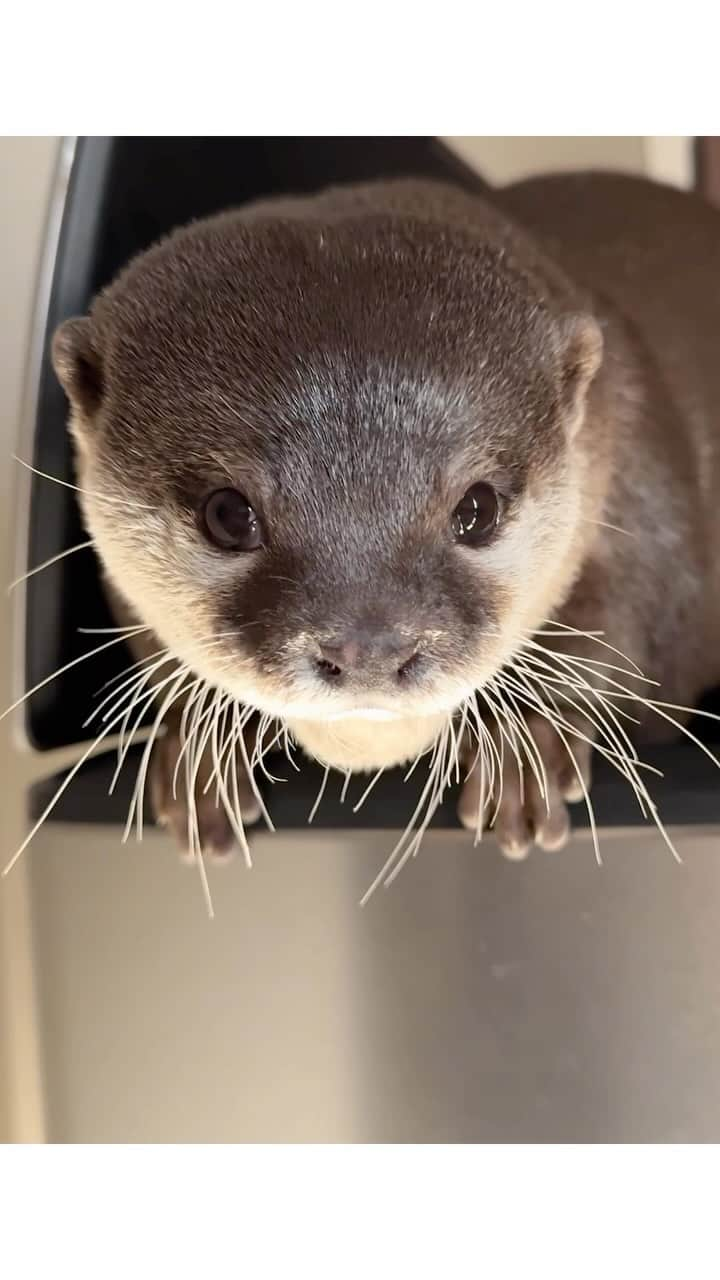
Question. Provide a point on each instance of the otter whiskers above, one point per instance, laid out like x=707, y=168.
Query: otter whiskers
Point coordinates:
x=586, y=700
x=38, y=568
x=444, y=762
x=320, y=794
x=97, y=497
x=126, y=632
x=550, y=683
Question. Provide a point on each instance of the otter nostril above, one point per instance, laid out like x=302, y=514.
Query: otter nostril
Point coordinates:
x=409, y=665
x=383, y=656
x=335, y=659
x=329, y=670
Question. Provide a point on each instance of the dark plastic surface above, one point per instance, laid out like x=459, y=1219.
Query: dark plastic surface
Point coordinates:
x=688, y=794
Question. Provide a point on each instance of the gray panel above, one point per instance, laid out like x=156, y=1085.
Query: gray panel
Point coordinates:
x=476, y=1000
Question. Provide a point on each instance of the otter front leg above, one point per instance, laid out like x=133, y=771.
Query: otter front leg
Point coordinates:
x=537, y=773
x=191, y=804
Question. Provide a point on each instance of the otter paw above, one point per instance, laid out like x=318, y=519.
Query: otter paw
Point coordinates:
x=530, y=806
x=206, y=822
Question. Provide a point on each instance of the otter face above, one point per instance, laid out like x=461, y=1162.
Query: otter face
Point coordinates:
x=335, y=466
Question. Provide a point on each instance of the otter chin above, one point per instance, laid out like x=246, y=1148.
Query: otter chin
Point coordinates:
x=385, y=463
x=364, y=742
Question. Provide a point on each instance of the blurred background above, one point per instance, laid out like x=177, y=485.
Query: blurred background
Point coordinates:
x=476, y=1001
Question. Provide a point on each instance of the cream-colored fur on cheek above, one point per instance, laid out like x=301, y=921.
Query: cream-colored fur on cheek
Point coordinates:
x=150, y=563
x=539, y=556
x=532, y=566
x=157, y=564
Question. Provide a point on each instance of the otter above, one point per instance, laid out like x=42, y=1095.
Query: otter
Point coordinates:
x=396, y=466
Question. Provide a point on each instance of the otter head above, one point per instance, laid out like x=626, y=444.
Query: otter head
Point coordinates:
x=335, y=463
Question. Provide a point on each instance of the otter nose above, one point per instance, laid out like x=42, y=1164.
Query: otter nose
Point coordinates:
x=388, y=651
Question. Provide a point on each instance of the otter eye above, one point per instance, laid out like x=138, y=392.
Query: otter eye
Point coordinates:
x=229, y=521
x=476, y=517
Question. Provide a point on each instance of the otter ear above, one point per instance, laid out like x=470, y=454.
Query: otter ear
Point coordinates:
x=78, y=366
x=581, y=351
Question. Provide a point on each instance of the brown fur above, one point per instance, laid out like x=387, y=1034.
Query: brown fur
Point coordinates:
x=354, y=361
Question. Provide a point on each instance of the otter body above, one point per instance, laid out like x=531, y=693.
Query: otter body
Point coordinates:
x=370, y=443
x=650, y=256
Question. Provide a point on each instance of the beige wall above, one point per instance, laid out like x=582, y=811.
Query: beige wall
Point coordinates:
x=26, y=170
x=507, y=159
x=668, y=159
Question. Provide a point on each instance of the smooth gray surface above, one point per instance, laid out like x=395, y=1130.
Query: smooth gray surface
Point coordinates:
x=476, y=1000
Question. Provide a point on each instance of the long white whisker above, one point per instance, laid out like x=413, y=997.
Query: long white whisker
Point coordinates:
x=616, y=528
x=128, y=630
x=442, y=739
x=560, y=730
x=136, y=805
x=99, y=497
x=234, y=811
x=61, y=671
x=38, y=568
x=229, y=771
x=582, y=686
x=402, y=851
x=194, y=835
x=591, y=664
x=496, y=755
x=480, y=762
x=640, y=788
x=188, y=753
x=125, y=677
x=443, y=775
x=660, y=710
x=221, y=747
x=262, y=748
x=58, y=794
x=626, y=764
x=346, y=784
x=139, y=674
x=288, y=745
x=454, y=745
x=201, y=740
x=191, y=710
x=621, y=691
x=595, y=636
x=592, y=711
x=375, y=778
x=532, y=752
x=320, y=794
x=518, y=724
x=140, y=695
x=415, y=764
x=248, y=769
